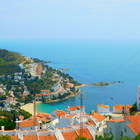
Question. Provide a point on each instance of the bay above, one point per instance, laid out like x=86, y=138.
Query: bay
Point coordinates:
x=88, y=62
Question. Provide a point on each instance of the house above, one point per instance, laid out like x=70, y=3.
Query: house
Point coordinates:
x=138, y=98
x=56, y=87
x=38, y=96
x=45, y=91
x=129, y=126
x=56, y=115
x=28, y=125
x=121, y=109
x=57, y=134
x=69, y=85
x=42, y=117
x=103, y=109
x=10, y=100
x=75, y=109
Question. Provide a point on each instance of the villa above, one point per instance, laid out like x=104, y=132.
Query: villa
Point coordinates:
x=129, y=126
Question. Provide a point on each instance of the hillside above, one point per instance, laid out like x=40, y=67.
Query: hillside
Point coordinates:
x=9, y=62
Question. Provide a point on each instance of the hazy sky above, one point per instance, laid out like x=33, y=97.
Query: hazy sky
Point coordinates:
x=70, y=19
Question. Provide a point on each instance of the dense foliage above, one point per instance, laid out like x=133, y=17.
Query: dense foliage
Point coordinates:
x=10, y=117
x=133, y=110
x=5, y=137
x=9, y=62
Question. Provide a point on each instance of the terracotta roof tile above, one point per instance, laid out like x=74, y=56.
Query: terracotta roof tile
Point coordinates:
x=30, y=137
x=84, y=133
x=69, y=116
x=75, y=108
x=104, y=106
x=98, y=116
x=60, y=112
x=14, y=137
x=122, y=106
x=27, y=123
x=135, y=123
x=72, y=135
x=47, y=137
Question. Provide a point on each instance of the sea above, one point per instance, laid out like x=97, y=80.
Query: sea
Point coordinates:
x=88, y=61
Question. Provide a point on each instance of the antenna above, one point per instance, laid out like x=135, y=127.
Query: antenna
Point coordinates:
x=81, y=114
x=34, y=102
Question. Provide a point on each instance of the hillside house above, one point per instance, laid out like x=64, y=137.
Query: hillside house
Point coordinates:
x=129, y=126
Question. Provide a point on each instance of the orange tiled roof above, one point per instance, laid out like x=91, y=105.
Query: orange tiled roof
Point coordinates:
x=43, y=115
x=84, y=133
x=104, y=106
x=135, y=123
x=98, y=116
x=14, y=137
x=70, y=116
x=47, y=137
x=72, y=135
x=118, y=120
x=27, y=123
x=60, y=112
x=122, y=106
x=75, y=108
x=30, y=137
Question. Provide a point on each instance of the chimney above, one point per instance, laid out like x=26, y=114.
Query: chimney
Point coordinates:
x=35, y=128
x=2, y=128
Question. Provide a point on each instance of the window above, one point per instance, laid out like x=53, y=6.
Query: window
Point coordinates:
x=125, y=129
x=121, y=134
x=110, y=130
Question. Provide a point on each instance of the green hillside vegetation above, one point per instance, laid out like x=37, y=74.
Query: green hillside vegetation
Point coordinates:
x=9, y=62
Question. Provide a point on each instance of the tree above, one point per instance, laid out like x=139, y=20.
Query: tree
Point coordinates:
x=5, y=137
x=25, y=113
x=107, y=136
x=133, y=109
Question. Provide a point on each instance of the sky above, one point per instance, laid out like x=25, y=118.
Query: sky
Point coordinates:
x=70, y=19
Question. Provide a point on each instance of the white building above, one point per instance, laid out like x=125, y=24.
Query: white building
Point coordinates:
x=28, y=125
x=130, y=127
x=122, y=109
x=103, y=109
x=138, y=98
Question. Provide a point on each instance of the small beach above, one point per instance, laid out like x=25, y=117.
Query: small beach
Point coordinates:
x=30, y=107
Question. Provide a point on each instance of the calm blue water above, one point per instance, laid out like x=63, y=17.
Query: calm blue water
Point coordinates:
x=89, y=62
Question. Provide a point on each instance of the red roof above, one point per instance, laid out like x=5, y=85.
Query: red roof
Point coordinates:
x=104, y=106
x=122, y=106
x=47, y=137
x=60, y=112
x=98, y=116
x=75, y=108
x=14, y=137
x=84, y=133
x=27, y=123
x=135, y=123
x=70, y=116
x=30, y=137
x=72, y=135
